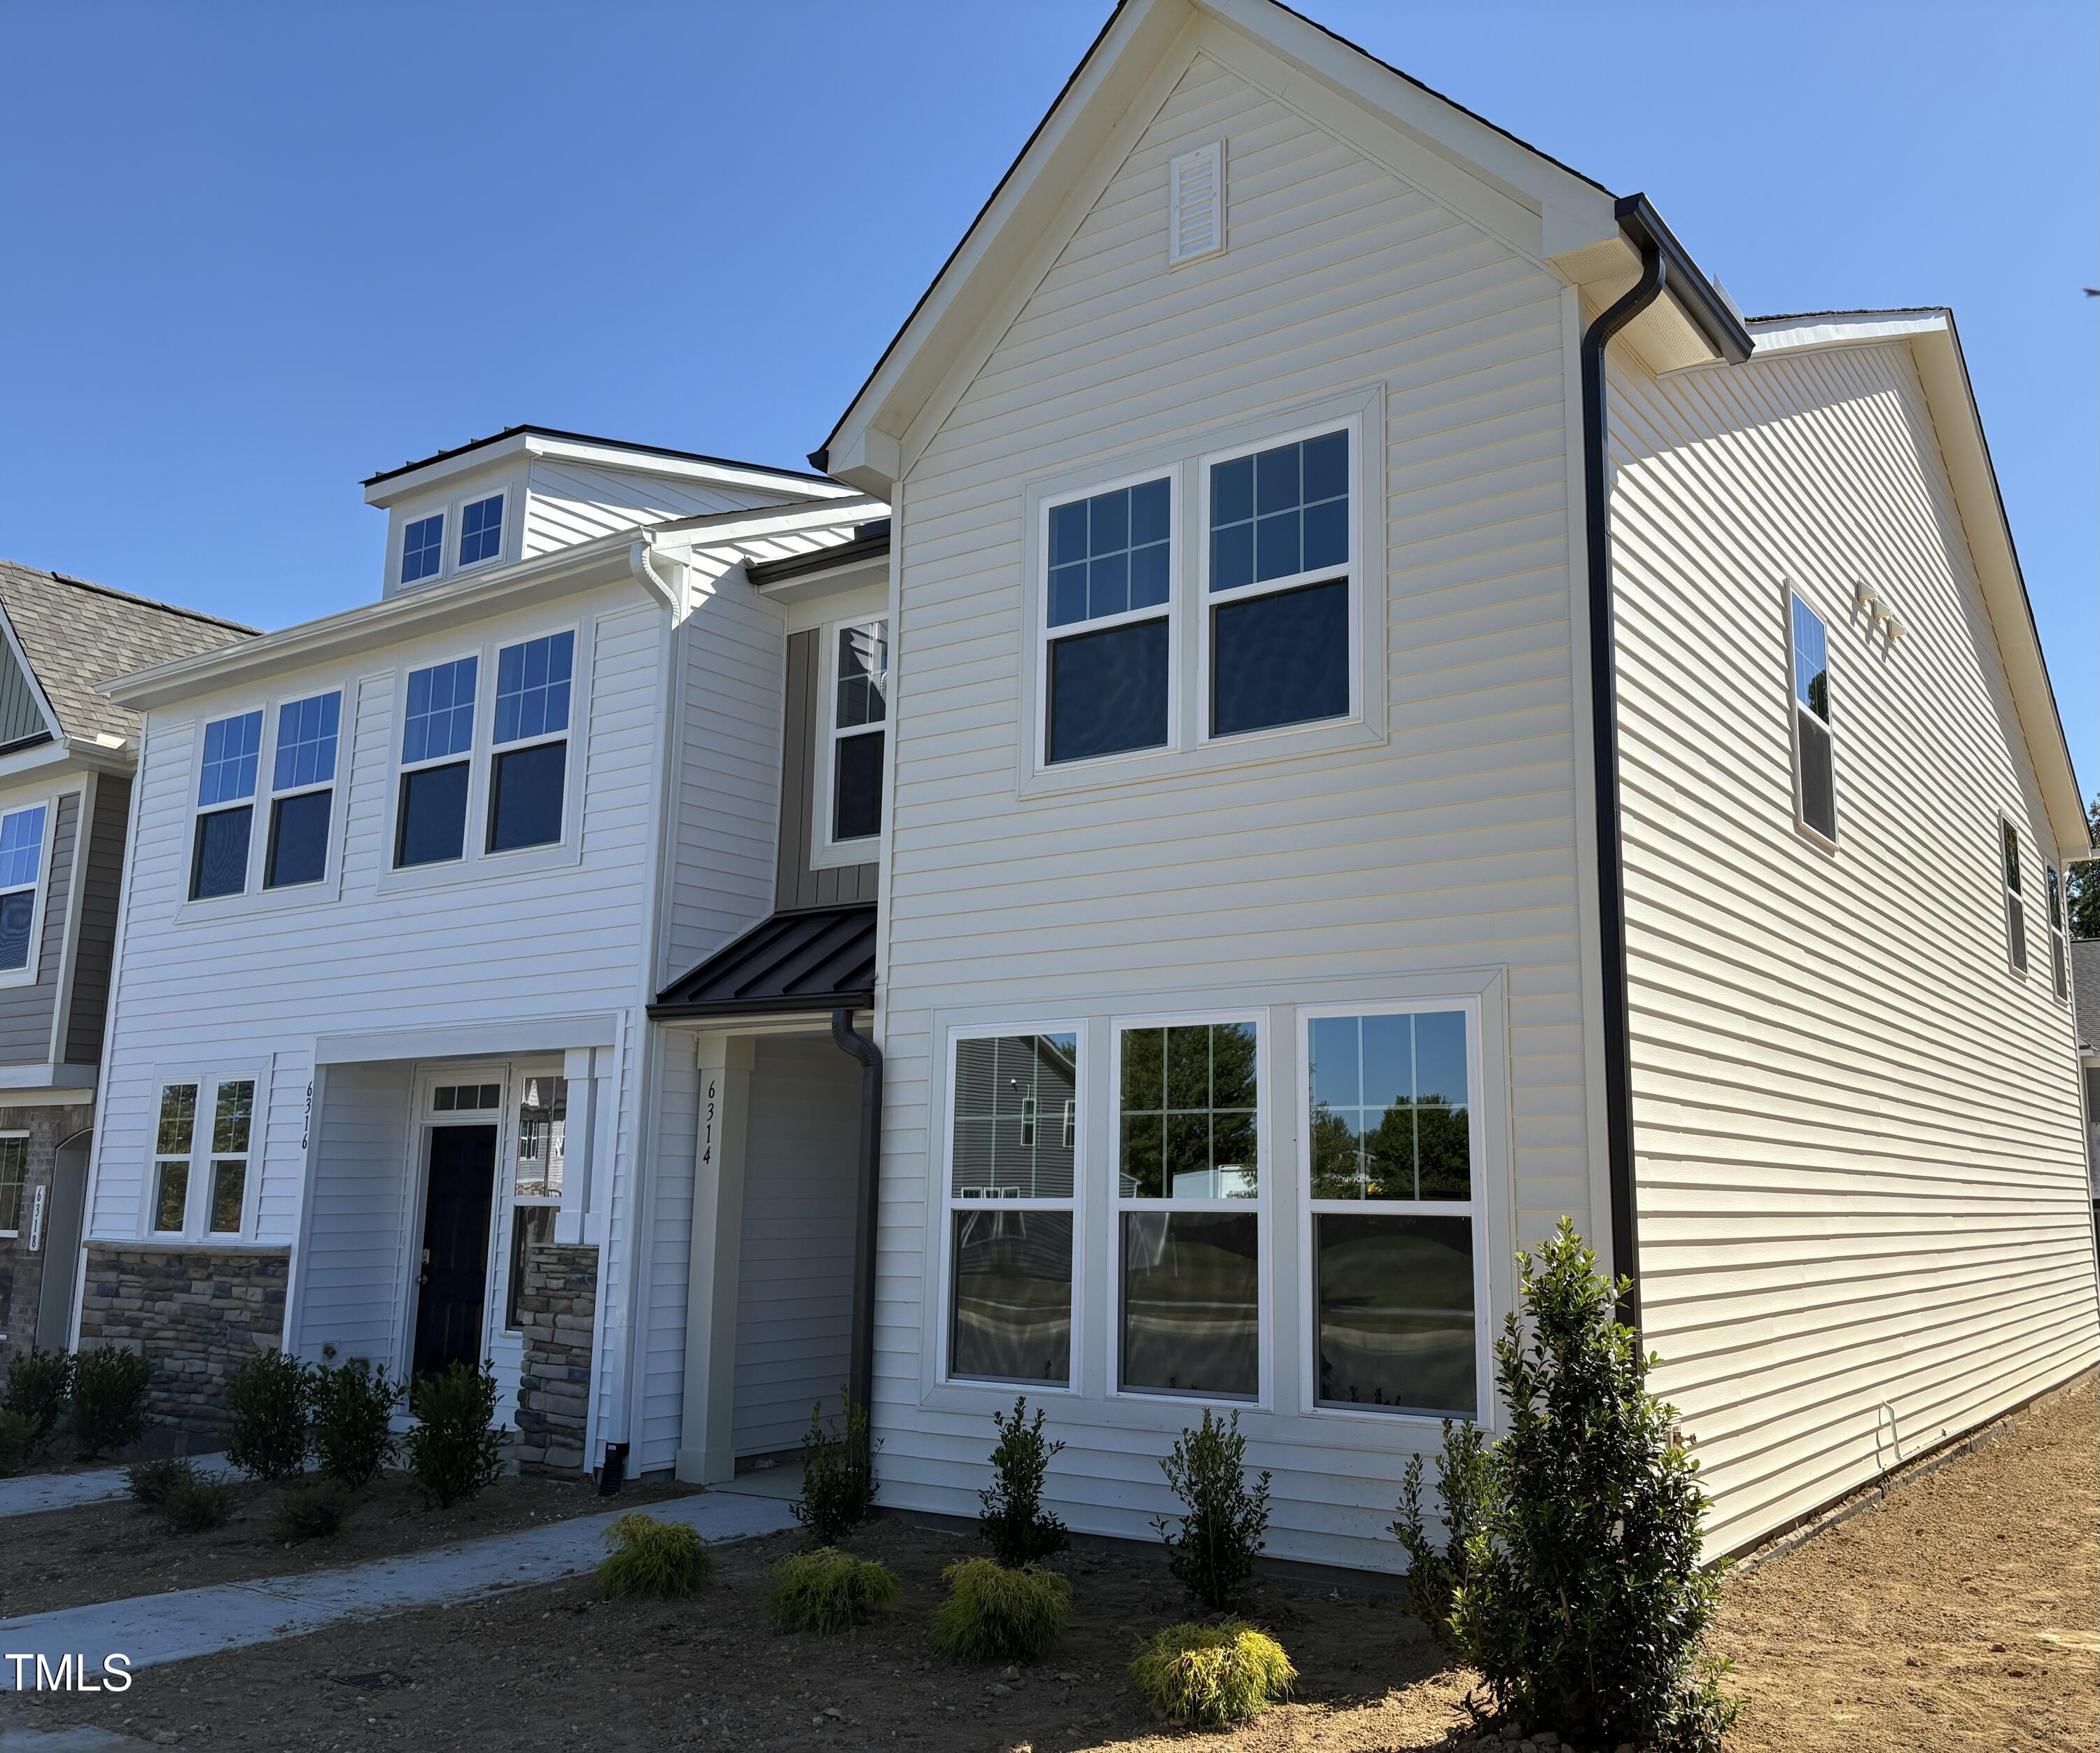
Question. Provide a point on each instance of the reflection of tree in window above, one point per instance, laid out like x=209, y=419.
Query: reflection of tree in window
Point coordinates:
x=1188, y=1112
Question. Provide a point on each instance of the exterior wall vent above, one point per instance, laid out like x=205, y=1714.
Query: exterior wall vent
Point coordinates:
x=1196, y=204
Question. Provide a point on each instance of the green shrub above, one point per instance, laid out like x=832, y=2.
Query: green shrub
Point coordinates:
x=20, y=1443
x=829, y=1591
x=1211, y=1676
x=353, y=1412
x=651, y=1560
x=838, y=1475
x=315, y=1509
x=108, y=1398
x=993, y=1613
x=195, y=1503
x=1211, y=1548
x=455, y=1450
x=1578, y=1594
x=268, y=1399
x=37, y=1389
x=150, y=1482
x=1435, y=1572
x=1013, y=1522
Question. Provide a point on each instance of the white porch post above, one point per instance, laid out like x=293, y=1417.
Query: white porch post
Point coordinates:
x=586, y=1070
x=707, y=1453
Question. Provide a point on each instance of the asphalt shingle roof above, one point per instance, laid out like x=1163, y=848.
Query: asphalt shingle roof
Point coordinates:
x=76, y=634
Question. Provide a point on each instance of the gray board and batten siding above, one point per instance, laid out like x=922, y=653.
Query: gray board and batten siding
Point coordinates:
x=800, y=882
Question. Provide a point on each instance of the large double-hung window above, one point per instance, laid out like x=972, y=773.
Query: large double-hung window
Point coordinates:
x=1815, y=750
x=226, y=806
x=859, y=717
x=437, y=746
x=528, y=776
x=1107, y=619
x=303, y=790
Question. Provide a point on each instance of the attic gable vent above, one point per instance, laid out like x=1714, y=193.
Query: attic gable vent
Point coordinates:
x=1196, y=204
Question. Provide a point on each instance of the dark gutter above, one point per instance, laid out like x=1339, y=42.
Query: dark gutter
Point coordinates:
x=868, y=1209
x=1605, y=745
x=819, y=560
x=587, y=438
x=1695, y=295
x=818, y=1004
x=34, y=739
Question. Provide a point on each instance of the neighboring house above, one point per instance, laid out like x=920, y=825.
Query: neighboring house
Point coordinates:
x=66, y=759
x=401, y=881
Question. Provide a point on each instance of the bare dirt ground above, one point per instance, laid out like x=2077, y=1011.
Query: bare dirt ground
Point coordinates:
x=1985, y=1573
x=106, y=1551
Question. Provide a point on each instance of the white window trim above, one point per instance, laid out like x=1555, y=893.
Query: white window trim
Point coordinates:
x=1474, y=1208
x=1170, y=610
x=249, y=876
x=476, y=862
x=2009, y=896
x=457, y=534
x=513, y=484
x=949, y=1204
x=1350, y=569
x=1261, y=1205
x=32, y=967
x=1790, y=595
x=269, y=796
x=826, y=853
x=564, y=736
x=7, y=1133
x=197, y=1211
x=402, y=581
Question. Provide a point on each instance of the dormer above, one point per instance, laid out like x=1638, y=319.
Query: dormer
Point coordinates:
x=528, y=491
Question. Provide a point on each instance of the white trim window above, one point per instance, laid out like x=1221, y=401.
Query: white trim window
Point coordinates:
x=1012, y=1210
x=537, y=1177
x=232, y=1130
x=1280, y=616
x=1395, y=1268
x=1188, y=1208
x=856, y=731
x=481, y=530
x=1814, y=752
x=233, y=751
x=174, y=1138
x=22, y=836
x=14, y=1181
x=423, y=548
x=188, y=1158
x=528, y=763
x=437, y=762
x=1106, y=644
x=2059, y=947
x=2016, y=905
x=302, y=791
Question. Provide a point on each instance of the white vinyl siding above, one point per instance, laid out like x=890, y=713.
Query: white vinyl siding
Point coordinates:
x=1863, y=1222
x=567, y=501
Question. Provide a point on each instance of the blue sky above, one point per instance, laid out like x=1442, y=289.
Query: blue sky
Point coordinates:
x=254, y=253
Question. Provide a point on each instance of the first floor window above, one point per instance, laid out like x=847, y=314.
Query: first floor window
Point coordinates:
x=543, y=1123
x=174, y=1137
x=14, y=1175
x=21, y=868
x=2016, y=909
x=1010, y=1210
x=1395, y=1212
x=1187, y=1179
x=233, y=1119
x=1106, y=620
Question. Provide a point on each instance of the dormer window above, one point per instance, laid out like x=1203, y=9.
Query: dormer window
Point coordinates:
x=423, y=548
x=481, y=530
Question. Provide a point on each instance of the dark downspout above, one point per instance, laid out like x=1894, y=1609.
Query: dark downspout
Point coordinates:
x=1604, y=741
x=868, y=1205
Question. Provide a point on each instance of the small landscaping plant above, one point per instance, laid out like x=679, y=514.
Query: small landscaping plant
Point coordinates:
x=19, y=1442
x=829, y=1591
x=38, y=1386
x=1013, y=1522
x=1212, y=1547
x=1436, y=1571
x=1577, y=1593
x=150, y=1482
x=1211, y=1676
x=997, y=1614
x=352, y=1424
x=651, y=1560
x=455, y=1450
x=108, y=1398
x=268, y=1400
x=194, y=1503
x=838, y=1475
x=315, y=1509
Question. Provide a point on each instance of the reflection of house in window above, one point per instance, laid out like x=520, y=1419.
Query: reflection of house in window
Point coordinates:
x=1001, y=1086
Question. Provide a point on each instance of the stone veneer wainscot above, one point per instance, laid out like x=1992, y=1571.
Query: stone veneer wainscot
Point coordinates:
x=557, y=1307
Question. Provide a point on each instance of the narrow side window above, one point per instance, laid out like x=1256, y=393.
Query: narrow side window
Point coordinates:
x=860, y=714
x=21, y=868
x=175, y=1135
x=1815, y=763
x=2059, y=947
x=2016, y=910
x=1106, y=619
x=233, y=1119
x=13, y=1180
x=225, y=806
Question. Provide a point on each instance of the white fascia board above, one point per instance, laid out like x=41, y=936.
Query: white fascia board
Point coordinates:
x=1841, y=329
x=489, y=458
x=610, y=559
x=64, y=758
x=726, y=529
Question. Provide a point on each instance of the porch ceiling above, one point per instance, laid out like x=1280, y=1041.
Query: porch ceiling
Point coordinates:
x=814, y=959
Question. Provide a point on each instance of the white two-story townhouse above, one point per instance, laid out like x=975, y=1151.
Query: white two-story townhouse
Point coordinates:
x=400, y=883
x=1412, y=719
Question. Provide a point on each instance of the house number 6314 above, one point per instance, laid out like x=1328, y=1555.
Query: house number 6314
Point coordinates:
x=707, y=1131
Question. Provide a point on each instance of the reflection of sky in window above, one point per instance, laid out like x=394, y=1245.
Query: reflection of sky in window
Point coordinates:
x=306, y=741
x=422, y=548
x=1280, y=512
x=440, y=718
x=1812, y=661
x=532, y=687
x=863, y=675
x=21, y=847
x=230, y=749
x=1389, y=1098
x=1108, y=554
x=481, y=530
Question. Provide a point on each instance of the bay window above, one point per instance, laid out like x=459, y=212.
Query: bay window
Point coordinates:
x=1107, y=616
x=21, y=870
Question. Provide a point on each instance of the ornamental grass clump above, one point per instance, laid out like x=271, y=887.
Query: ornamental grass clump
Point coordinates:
x=1211, y=1676
x=352, y=1429
x=313, y=1510
x=1212, y=1547
x=39, y=1384
x=838, y=1474
x=652, y=1560
x=1013, y=1522
x=455, y=1450
x=1577, y=1590
x=998, y=1613
x=108, y=1399
x=269, y=1398
x=828, y=1590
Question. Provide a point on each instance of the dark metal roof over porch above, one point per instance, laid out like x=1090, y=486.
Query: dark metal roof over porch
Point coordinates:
x=813, y=959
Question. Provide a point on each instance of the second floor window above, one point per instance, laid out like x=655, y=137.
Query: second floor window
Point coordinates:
x=2016, y=906
x=423, y=548
x=21, y=868
x=225, y=806
x=1108, y=614
x=302, y=791
x=1815, y=764
x=860, y=711
x=437, y=742
x=528, y=775
x=481, y=530
x=2059, y=948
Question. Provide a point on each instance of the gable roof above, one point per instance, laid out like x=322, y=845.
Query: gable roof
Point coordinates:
x=73, y=635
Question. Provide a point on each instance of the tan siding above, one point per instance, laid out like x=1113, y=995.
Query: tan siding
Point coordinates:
x=1862, y=1179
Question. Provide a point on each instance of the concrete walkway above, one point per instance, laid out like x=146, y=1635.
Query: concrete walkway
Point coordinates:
x=34, y=1493
x=153, y=1629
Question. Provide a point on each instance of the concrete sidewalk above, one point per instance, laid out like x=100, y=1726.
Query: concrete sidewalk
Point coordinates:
x=153, y=1629
x=34, y=1493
